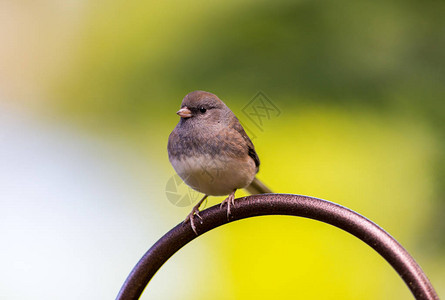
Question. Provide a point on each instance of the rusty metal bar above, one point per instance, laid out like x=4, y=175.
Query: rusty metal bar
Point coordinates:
x=281, y=204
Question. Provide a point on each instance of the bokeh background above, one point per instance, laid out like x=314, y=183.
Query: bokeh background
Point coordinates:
x=88, y=95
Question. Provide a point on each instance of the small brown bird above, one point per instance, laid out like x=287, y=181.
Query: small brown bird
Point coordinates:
x=211, y=152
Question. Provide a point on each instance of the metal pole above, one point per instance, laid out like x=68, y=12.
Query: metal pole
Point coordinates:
x=281, y=204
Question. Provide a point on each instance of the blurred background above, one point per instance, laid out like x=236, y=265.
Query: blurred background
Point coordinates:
x=88, y=95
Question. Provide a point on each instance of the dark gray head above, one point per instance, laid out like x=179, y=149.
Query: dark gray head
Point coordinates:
x=200, y=106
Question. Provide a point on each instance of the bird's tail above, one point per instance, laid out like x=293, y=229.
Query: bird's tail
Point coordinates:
x=257, y=187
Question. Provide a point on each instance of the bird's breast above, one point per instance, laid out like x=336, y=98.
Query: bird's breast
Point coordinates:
x=215, y=175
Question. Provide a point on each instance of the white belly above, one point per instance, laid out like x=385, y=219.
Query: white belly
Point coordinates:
x=215, y=177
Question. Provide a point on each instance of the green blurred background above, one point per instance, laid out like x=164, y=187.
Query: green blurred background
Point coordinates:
x=88, y=96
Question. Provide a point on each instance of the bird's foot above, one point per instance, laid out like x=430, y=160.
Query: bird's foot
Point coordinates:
x=195, y=212
x=230, y=200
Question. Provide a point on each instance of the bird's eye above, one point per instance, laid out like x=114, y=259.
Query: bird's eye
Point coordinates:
x=202, y=109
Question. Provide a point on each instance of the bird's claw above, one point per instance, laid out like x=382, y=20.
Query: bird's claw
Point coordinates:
x=191, y=217
x=195, y=212
x=230, y=200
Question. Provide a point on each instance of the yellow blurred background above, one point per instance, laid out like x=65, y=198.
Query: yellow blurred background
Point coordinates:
x=88, y=95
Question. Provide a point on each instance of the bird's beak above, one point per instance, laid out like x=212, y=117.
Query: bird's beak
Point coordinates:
x=184, y=112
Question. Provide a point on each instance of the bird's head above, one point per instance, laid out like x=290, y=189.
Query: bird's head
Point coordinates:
x=200, y=105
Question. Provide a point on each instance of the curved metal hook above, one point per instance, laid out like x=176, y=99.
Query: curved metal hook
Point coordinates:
x=281, y=204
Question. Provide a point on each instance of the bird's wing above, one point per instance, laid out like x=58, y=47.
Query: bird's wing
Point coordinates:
x=250, y=148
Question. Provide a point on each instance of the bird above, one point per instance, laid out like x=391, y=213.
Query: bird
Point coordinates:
x=211, y=152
